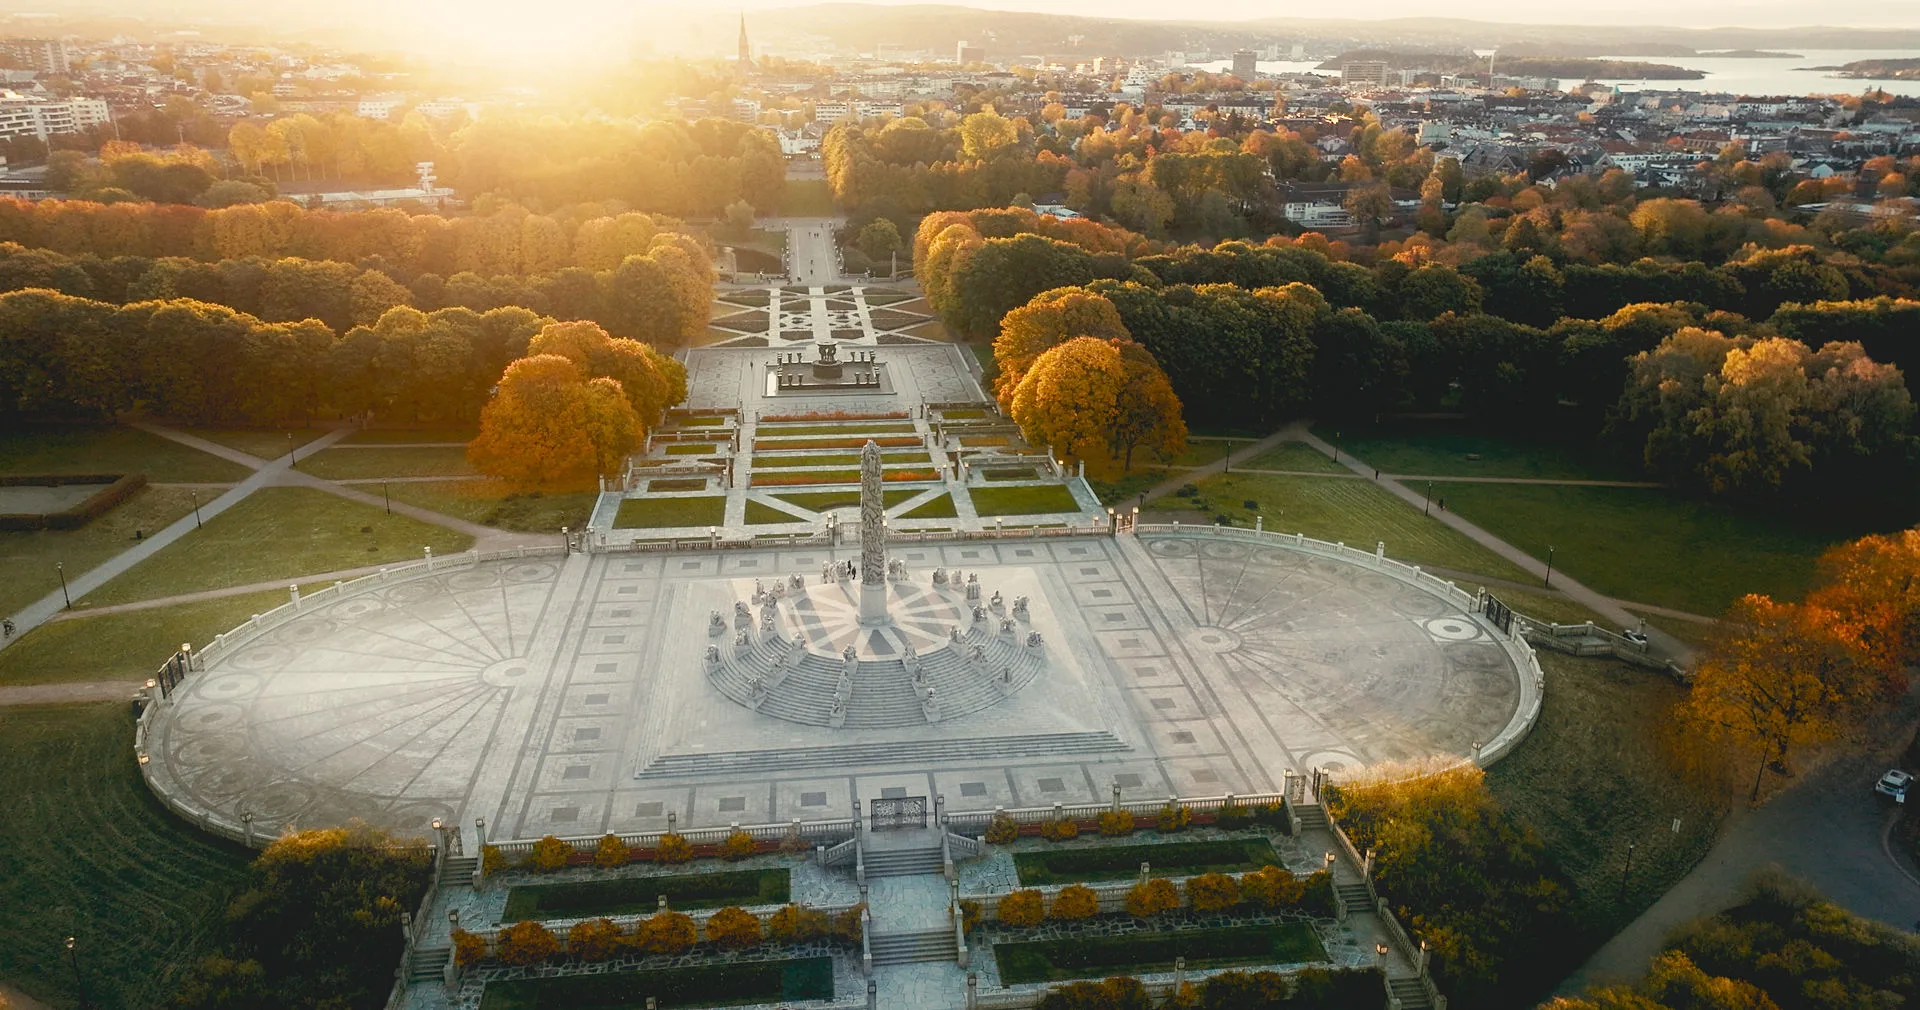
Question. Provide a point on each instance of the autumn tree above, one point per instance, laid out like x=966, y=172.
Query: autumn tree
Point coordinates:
x=549, y=425
x=1146, y=411
x=1050, y=319
x=1068, y=400
x=1778, y=677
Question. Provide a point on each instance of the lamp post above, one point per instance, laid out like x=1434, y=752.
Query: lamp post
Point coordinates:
x=79, y=983
x=1624, y=871
x=1427, y=509
x=1548, y=581
x=62, y=569
x=388, y=495
x=195, y=495
x=292, y=460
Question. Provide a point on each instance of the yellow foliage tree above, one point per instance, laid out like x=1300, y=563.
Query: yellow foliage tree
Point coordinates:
x=1068, y=399
x=547, y=425
x=1052, y=318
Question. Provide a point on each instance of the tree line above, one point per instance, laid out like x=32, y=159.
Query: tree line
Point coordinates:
x=661, y=292
x=1703, y=397
x=499, y=239
x=79, y=359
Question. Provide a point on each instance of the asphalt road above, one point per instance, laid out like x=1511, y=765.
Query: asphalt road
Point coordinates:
x=1830, y=830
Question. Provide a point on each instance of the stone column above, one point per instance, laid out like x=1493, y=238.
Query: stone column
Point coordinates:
x=873, y=538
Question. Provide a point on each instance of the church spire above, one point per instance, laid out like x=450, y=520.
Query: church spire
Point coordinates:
x=746, y=52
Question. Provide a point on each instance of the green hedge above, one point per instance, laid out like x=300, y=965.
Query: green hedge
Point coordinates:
x=631, y=895
x=1095, y=956
x=790, y=980
x=1119, y=862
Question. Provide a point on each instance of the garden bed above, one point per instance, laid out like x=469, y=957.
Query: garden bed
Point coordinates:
x=636, y=895
x=1021, y=501
x=688, y=448
x=848, y=428
x=677, y=484
x=649, y=513
x=1141, y=953
x=889, y=442
x=1011, y=473
x=1121, y=862
x=750, y=982
x=836, y=415
x=760, y=513
x=763, y=462
x=938, y=508
x=824, y=501
x=795, y=477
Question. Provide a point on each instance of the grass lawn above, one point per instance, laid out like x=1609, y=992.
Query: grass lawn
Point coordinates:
x=689, y=448
x=1649, y=545
x=1139, y=953
x=790, y=980
x=1202, y=453
x=346, y=464
x=1121, y=862
x=1126, y=488
x=791, y=478
x=92, y=855
x=27, y=557
x=1690, y=632
x=1023, y=501
x=807, y=198
x=1292, y=456
x=126, y=646
x=69, y=448
x=1592, y=777
x=278, y=533
x=760, y=513
x=403, y=436
x=824, y=501
x=491, y=503
x=649, y=513
x=1353, y=512
x=628, y=895
x=938, y=508
x=1548, y=606
x=1443, y=449
x=266, y=443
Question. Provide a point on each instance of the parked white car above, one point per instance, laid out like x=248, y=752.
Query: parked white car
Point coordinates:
x=1894, y=785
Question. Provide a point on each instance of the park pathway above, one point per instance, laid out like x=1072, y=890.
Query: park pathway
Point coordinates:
x=278, y=472
x=1829, y=829
x=1295, y=432
x=1600, y=603
x=40, y=611
x=68, y=694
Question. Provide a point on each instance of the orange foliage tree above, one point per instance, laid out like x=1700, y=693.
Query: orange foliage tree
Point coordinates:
x=548, y=425
x=1052, y=318
x=1099, y=399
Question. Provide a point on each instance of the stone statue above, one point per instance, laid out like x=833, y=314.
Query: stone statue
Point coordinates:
x=716, y=625
x=1033, y=640
x=995, y=602
x=939, y=576
x=979, y=615
x=1006, y=625
x=1020, y=607
x=713, y=655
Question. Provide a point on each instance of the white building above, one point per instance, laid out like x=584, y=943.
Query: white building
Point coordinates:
x=23, y=116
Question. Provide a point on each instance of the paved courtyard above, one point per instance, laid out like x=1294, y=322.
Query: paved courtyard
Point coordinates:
x=572, y=696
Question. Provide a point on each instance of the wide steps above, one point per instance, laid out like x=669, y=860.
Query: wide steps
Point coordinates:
x=1311, y=817
x=428, y=964
x=903, y=862
x=1411, y=994
x=913, y=948
x=906, y=752
x=1355, y=896
x=458, y=870
x=884, y=695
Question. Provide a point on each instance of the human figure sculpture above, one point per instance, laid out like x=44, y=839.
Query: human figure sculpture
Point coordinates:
x=1033, y=640
x=1006, y=625
x=940, y=576
x=713, y=655
x=716, y=625
x=740, y=639
x=1020, y=607
x=826, y=572
x=979, y=615
x=995, y=602
x=953, y=634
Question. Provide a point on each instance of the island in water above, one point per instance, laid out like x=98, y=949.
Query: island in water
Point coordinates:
x=1875, y=70
x=1578, y=67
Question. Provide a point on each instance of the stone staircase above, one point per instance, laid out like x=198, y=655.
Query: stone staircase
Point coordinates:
x=884, y=695
x=917, y=752
x=1410, y=993
x=1312, y=818
x=428, y=964
x=913, y=948
x=457, y=871
x=1354, y=896
x=902, y=862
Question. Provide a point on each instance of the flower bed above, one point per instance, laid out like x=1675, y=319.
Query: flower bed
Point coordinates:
x=894, y=442
x=837, y=415
x=855, y=428
x=761, y=462
x=678, y=484
x=838, y=477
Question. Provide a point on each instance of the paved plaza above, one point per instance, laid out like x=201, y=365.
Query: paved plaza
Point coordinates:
x=573, y=695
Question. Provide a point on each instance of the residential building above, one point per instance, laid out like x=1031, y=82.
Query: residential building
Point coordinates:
x=48, y=56
x=967, y=55
x=1244, y=66
x=1364, y=74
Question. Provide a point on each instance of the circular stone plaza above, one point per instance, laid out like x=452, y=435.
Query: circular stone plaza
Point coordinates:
x=757, y=674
